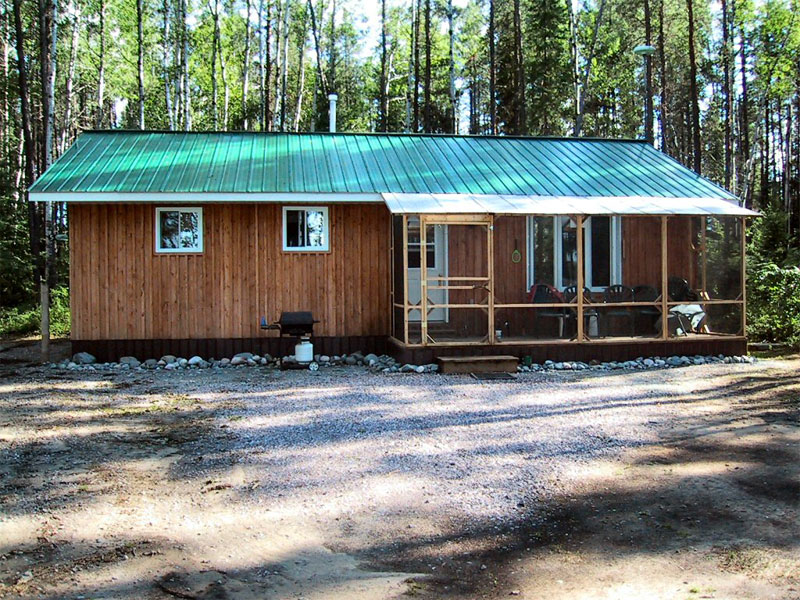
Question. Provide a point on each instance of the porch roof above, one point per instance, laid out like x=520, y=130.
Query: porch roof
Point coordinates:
x=504, y=204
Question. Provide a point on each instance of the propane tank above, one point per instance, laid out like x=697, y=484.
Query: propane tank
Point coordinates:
x=304, y=352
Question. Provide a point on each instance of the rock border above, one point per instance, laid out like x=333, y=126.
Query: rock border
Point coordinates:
x=83, y=361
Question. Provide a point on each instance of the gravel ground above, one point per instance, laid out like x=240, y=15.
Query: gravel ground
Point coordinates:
x=472, y=451
x=267, y=484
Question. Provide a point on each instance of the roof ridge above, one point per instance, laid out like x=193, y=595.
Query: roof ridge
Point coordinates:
x=400, y=134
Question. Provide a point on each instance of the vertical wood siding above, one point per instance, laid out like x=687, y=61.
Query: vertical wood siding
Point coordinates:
x=641, y=250
x=121, y=289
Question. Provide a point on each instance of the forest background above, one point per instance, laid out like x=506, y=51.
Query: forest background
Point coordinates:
x=724, y=82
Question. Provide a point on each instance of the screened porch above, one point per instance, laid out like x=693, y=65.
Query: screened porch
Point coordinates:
x=558, y=279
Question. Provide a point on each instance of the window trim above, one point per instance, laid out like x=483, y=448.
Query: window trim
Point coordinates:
x=326, y=227
x=198, y=210
x=615, y=251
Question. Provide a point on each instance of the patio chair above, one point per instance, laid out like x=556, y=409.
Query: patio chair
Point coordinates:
x=679, y=290
x=646, y=314
x=589, y=311
x=542, y=293
x=617, y=293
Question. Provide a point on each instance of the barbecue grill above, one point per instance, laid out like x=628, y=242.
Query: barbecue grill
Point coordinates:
x=299, y=324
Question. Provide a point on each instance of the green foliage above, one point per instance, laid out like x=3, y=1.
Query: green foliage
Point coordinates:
x=773, y=310
x=773, y=291
x=23, y=320
x=770, y=240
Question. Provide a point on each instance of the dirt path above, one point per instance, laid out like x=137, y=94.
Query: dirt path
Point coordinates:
x=200, y=485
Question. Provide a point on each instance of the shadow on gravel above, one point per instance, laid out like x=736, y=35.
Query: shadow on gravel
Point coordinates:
x=713, y=482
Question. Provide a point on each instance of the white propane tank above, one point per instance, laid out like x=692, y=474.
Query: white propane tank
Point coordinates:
x=304, y=352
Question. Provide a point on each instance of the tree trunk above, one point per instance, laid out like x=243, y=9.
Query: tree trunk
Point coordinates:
x=662, y=96
x=492, y=72
x=745, y=108
x=140, y=57
x=48, y=37
x=426, y=118
x=298, y=111
x=332, y=66
x=383, y=96
x=48, y=30
x=410, y=79
x=187, y=97
x=246, y=68
x=648, y=76
x=521, y=121
x=285, y=63
x=453, y=121
x=573, y=51
x=165, y=68
x=266, y=70
x=301, y=75
x=727, y=97
x=101, y=69
x=588, y=72
x=278, y=52
x=693, y=93
x=30, y=154
x=69, y=83
x=416, y=67
x=787, y=168
x=214, y=49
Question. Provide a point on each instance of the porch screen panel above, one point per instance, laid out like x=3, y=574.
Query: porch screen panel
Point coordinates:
x=723, y=268
x=630, y=305
x=398, y=280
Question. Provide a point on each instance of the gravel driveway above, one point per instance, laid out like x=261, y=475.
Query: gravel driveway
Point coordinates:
x=258, y=483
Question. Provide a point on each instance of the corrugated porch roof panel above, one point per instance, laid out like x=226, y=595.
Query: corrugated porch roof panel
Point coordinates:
x=560, y=205
x=181, y=162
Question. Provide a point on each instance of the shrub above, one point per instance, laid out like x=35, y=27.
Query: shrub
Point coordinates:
x=773, y=303
x=26, y=320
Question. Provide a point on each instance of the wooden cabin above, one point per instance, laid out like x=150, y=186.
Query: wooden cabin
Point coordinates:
x=415, y=245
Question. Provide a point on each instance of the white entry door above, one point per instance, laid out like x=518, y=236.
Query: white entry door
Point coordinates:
x=436, y=257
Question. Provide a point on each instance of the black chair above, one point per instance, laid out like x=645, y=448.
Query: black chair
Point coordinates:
x=679, y=290
x=589, y=311
x=544, y=294
x=646, y=315
x=617, y=293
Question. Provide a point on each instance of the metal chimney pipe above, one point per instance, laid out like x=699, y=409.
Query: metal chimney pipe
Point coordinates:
x=332, y=98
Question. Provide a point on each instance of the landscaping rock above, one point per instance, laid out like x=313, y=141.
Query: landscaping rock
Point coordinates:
x=351, y=360
x=168, y=359
x=83, y=358
x=131, y=361
x=244, y=355
x=195, y=360
x=150, y=363
x=239, y=360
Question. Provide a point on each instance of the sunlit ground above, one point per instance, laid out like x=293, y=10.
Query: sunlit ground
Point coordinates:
x=251, y=483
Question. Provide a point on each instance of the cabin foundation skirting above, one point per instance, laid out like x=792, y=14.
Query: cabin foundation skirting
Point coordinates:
x=112, y=350
x=604, y=352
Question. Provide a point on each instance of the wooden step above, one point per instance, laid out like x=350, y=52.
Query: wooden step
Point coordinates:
x=477, y=364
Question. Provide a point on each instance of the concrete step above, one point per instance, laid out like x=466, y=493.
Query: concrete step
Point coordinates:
x=478, y=364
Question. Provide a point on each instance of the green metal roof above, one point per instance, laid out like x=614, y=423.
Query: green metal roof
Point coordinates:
x=143, y=162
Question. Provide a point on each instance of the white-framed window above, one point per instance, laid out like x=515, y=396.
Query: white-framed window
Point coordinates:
x=553, y=251
x=179, y=230
x=306, y=229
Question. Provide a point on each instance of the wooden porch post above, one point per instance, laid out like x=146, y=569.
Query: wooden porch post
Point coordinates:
x=664, y=280
x=405, y=279
x=703, y=256
x=490, y=266
x=423, y=277
x=743, y=266
x=579, y=242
